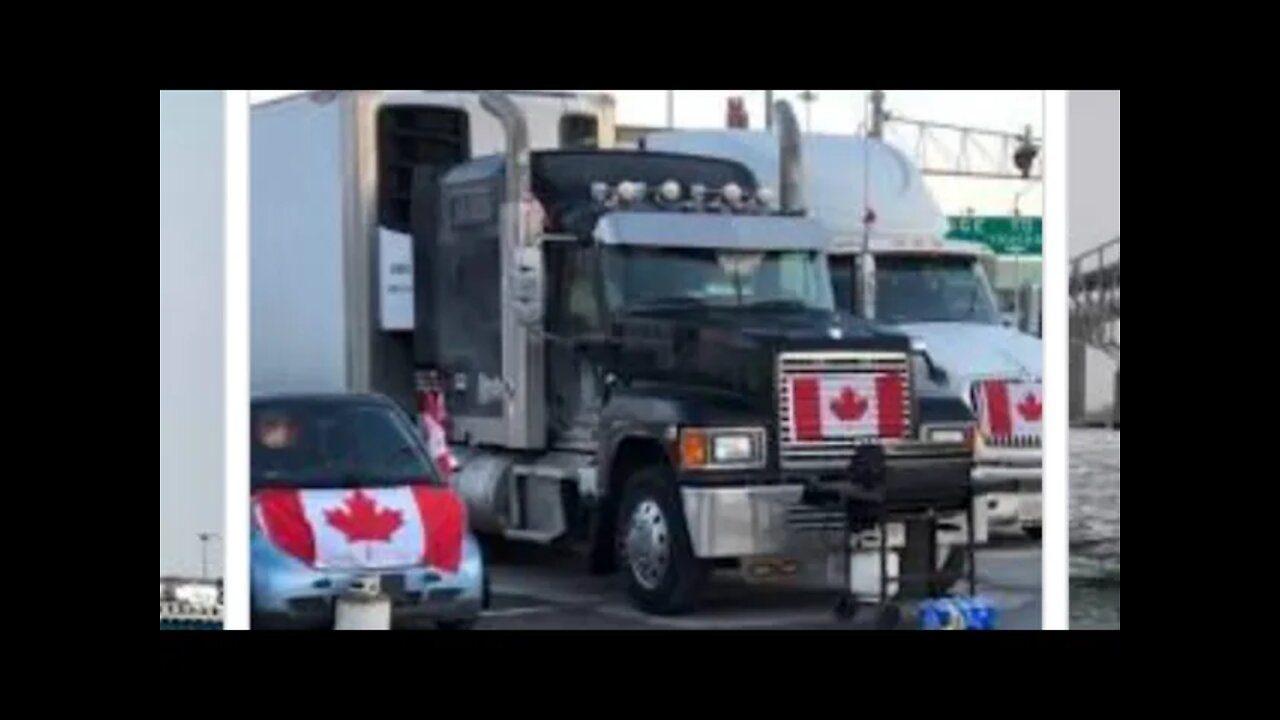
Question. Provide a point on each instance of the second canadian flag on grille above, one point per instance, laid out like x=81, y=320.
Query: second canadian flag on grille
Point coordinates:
x=1010, y=409
x=846, y=406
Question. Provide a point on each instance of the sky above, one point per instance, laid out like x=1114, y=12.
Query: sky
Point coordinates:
x=1093, y=200
x=844, y=111
x=191, y=366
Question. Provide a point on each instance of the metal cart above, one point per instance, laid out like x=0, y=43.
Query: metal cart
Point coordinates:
x=865, y=504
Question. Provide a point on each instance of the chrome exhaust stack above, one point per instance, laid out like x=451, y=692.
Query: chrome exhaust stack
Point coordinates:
x=790, y=160
x=516, y=128
x=522, y=286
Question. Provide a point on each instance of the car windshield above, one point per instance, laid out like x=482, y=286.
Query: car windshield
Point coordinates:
x=325, y=444
x=639, y=278
x=921, y=288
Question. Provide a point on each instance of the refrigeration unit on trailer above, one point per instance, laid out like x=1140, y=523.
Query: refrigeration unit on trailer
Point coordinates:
x=890, y=261
x=332, y=260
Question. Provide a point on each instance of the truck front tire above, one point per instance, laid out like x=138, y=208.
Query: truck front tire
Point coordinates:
x=656, y=558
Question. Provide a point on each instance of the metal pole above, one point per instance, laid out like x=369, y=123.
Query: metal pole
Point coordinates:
x=204, y=555
x=1115, y=406
x=768, y=109
x=877, y=114
x=671, y=109
x=808, y=97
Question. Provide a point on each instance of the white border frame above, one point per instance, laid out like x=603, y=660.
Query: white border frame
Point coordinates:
x=1056, y=495
x=1055, y=562
x=236, y=346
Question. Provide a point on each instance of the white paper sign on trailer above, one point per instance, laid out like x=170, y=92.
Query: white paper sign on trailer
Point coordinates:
x=395, y=281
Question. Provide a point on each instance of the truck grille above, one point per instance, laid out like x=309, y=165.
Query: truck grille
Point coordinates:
x=1030, y=442
x=883, y=417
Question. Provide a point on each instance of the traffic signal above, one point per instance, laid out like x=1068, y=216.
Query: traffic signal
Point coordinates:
x=737, y=114
x=1024, y=156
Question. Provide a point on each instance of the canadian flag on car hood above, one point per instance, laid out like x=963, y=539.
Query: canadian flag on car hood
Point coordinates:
x=1010, y=409
x=365, y=528
x=835, y=406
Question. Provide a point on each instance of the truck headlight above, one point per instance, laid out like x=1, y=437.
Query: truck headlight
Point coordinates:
x=950, y=436
x=722, y=448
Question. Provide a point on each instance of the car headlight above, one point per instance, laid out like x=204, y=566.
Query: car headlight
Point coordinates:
x=722, y=448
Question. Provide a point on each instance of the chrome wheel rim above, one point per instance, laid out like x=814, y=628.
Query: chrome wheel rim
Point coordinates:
x=647, y=544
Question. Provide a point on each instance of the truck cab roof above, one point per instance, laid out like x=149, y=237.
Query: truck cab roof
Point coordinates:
x=712, y=230
x=844, y=177
x=562, y=180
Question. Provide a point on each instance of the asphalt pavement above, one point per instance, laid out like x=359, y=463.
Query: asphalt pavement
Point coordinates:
x=539, y=588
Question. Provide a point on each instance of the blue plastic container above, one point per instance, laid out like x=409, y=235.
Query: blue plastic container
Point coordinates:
x=957, y=613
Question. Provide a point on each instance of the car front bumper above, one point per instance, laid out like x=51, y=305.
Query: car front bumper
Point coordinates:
x=288, y=593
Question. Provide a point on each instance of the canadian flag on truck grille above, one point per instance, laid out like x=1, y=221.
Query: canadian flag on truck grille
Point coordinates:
x=1009, y=409
x=845, y=406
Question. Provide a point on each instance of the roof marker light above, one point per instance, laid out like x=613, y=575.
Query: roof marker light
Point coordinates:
x=628, y=191
x=671, y=191
x=733, y=193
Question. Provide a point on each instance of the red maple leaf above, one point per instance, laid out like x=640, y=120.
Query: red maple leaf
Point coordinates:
x=1030, y=407
x=362, y=520
x=850, y=405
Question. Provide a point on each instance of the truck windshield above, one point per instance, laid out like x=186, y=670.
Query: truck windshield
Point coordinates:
x=330, y=444
x=638, y=278
x=923, y=288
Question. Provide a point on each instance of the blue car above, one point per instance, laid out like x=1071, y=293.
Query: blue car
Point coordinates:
x=344, y=489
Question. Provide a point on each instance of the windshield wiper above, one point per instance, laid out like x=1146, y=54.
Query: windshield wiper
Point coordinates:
x=677, y=301
x=777, y=304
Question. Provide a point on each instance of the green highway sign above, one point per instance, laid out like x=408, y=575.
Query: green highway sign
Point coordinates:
x=1003, y=234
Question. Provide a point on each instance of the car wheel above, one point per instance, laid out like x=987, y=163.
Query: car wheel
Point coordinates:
x=1032, y=531
x=662, y=575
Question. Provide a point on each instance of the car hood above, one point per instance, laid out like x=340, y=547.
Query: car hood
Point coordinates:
x=971, y=351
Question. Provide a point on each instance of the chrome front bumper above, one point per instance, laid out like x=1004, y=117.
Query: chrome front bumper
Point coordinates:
x=1009, y=483
x=737, y=522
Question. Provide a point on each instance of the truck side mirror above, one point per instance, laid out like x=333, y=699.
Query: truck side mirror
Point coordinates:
x=526, y=286
x=599, y=349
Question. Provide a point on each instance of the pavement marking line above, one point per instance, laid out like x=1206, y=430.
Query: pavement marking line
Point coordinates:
x=706, y=620
x=517, y=612
x=544, y=594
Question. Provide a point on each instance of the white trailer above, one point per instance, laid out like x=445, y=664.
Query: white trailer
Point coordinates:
x=331, y=250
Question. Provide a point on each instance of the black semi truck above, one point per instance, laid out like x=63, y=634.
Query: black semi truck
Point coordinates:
x=640, y=353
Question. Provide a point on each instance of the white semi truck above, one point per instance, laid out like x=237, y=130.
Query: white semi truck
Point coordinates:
x=891, y=261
